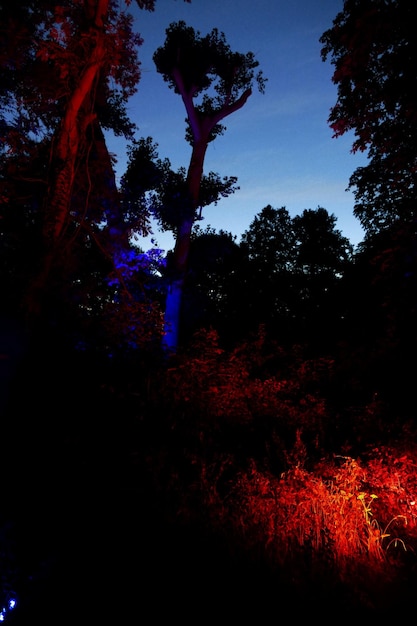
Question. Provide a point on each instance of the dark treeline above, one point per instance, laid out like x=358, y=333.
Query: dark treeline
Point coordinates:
x=146, y=400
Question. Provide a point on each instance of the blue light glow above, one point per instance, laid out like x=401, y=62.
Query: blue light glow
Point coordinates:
x=11, y=604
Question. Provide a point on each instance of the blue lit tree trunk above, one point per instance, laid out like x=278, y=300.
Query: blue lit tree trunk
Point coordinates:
x=182, y=248
x=176, y=286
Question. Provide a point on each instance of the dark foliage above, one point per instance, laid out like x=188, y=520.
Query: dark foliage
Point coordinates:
x=373, y=48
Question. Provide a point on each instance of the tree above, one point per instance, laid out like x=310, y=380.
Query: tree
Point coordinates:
x=294, y=266
x=269, y=241
x=321, y=248
x=67, y=73
x=269, y=244
x=199, y=66
x=323, y=255
x=91, y=51
x=215, y=265
x=373, y=48
x=74, y=68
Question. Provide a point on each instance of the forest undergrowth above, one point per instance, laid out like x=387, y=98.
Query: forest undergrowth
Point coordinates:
x=224, y=469
x=307, y=488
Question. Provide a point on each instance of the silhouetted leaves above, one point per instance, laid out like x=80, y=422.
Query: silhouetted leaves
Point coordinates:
x=372, y=46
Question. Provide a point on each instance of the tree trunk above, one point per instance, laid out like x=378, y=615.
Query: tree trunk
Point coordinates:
x=181, y=250
x=67, y=148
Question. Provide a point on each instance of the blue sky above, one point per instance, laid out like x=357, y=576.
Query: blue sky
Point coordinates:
x=279, y=145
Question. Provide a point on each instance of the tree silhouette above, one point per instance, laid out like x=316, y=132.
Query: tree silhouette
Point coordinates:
x=215, y=265
x=199, y=66
x=293, y=270
x=372, y=46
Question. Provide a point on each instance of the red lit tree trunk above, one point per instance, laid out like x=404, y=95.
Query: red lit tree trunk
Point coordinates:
x=68, y=147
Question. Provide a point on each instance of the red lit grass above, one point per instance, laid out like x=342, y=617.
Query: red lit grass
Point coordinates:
x=265, y=462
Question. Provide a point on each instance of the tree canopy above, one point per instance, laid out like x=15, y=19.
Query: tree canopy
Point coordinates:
x=372, y=45
x=206, y=66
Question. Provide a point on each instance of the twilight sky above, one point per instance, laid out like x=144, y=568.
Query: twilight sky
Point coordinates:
x=279, y=144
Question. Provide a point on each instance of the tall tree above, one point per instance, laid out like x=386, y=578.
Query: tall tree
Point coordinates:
x=373, y=47
x=67, y=72
x=89, y=47
x=321, y=249
x=199, y=66
x=323, y=256
x=292, y=274
x=269, y=244
x=68, y=78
